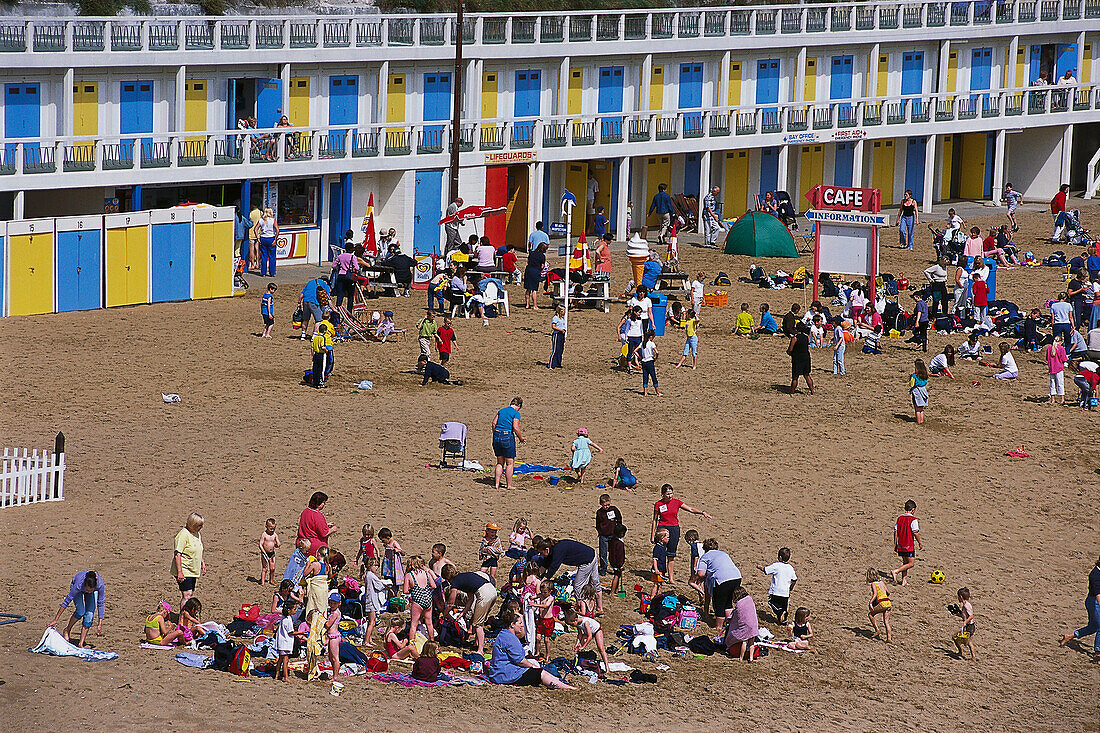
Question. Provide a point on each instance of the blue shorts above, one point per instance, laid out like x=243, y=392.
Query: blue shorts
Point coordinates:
x=691, y=345
x=504, y=444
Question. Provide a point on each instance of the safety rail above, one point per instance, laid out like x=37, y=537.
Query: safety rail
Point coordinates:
x=39, y=35
x=624, y=132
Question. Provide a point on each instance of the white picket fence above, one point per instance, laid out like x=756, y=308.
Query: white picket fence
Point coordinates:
x=28, y=477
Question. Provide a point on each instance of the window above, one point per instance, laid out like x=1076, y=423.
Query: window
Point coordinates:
x=297, y=203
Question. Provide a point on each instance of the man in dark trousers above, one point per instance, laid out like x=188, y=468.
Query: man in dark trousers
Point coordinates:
x=662, y=205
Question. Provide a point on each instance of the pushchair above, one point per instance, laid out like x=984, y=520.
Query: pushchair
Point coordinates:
x=949, y=243
x=787, y=213
x=452, y=443
x=1076, y=234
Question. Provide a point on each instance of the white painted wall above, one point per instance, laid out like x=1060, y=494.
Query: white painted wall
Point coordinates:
x=1034, y=162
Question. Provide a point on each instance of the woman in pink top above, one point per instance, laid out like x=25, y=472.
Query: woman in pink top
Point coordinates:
x=972, y=248
x=312, y=525
x=603, y=254
x=1056, y=364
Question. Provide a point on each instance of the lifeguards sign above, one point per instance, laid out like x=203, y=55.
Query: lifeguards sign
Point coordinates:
x=846, y=222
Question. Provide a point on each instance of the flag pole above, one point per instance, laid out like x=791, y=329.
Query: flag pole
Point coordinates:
x=568, y=255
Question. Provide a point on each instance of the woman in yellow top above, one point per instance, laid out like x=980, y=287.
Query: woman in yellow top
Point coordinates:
x=880, y=603
x=187, y=562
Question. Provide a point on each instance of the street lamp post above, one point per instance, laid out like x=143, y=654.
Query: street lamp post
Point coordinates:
x=456, y=115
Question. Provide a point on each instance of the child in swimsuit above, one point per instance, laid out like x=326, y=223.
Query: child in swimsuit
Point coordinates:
x=544, y=610
x=965, y=636
x=158, y=629
x=588, y=632
x=269, y=542
x=332, y=636
x=489, y=553
x=801, y=631
x=397, y=648
x=880, y=603
x=419, y=586
x=366, y=550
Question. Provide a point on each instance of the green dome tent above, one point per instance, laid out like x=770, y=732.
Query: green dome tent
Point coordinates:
x=760, y=235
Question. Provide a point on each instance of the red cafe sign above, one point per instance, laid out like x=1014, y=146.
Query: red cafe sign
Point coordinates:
x=841, y=198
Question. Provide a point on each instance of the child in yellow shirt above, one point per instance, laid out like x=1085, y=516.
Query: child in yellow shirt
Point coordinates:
x=690, y=324
x=320, y=355
x=745, y=323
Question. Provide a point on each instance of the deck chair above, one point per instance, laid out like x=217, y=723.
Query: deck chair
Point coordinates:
x=353, y=328
x=452, y=444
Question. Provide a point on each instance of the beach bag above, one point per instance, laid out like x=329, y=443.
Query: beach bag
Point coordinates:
x=721, y=279
x=249, y=612
x=490, y=311
x=223, y=655
x=377, y=662
x=296, y=319
x=241, y=661
x=891, y=287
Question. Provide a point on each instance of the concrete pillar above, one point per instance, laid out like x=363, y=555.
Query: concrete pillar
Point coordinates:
x=1009, y=76
x=284, y=77
x=18, y=205
x=800, y=76
x=623, y=200
x=724, y=81
x=784, y=167
x=872, y=73
x=640, y=203
x=383, y=91
x=857, y=165
x=474, y=75
x=563, y=87
x=536, y=195
x=945, y=52
x=180, y=104
x=67, y=103
x=1080, y=55
x=704, y=187
x=647, y=76
x=1067, y=150
x=998, y=166
x=930, y=144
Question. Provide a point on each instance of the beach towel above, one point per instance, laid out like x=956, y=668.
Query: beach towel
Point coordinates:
x=147, y=645
x=54, y=644
x=444, y=680
x=191, y=659
x=779, y=645
x=534, y=468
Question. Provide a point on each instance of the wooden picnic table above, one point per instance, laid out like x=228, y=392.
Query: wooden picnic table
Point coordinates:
x=602, y=300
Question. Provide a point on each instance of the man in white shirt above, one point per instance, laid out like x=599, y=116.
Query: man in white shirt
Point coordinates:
x=716, y=574
x=697, y=293
x=593, y=189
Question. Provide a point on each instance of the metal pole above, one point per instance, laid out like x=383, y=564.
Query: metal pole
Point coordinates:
x=568, y=256
x=456, y=115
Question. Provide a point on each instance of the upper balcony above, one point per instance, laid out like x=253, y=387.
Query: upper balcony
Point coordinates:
x=159, y=157
x=42, y=42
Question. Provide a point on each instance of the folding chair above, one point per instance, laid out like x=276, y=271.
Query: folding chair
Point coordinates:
x=452, y=444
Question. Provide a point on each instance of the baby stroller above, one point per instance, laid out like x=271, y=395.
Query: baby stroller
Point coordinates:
x=948, y=243
x=787, y=213
x=239, y=283
x=1076, y=234
x=452, y=443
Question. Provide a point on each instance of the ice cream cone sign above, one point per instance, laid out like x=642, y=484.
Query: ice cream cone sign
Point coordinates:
x=637, y=251
x=580, y=260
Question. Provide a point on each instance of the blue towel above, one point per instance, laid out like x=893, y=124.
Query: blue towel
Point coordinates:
x=535, y=468
x=191, y=659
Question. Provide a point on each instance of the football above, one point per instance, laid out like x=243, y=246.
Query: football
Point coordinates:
x=937, y=576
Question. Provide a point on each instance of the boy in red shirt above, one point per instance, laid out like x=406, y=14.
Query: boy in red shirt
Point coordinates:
x=980, y=291
x=906, y=532
x=508, y=262
x=447, y=340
